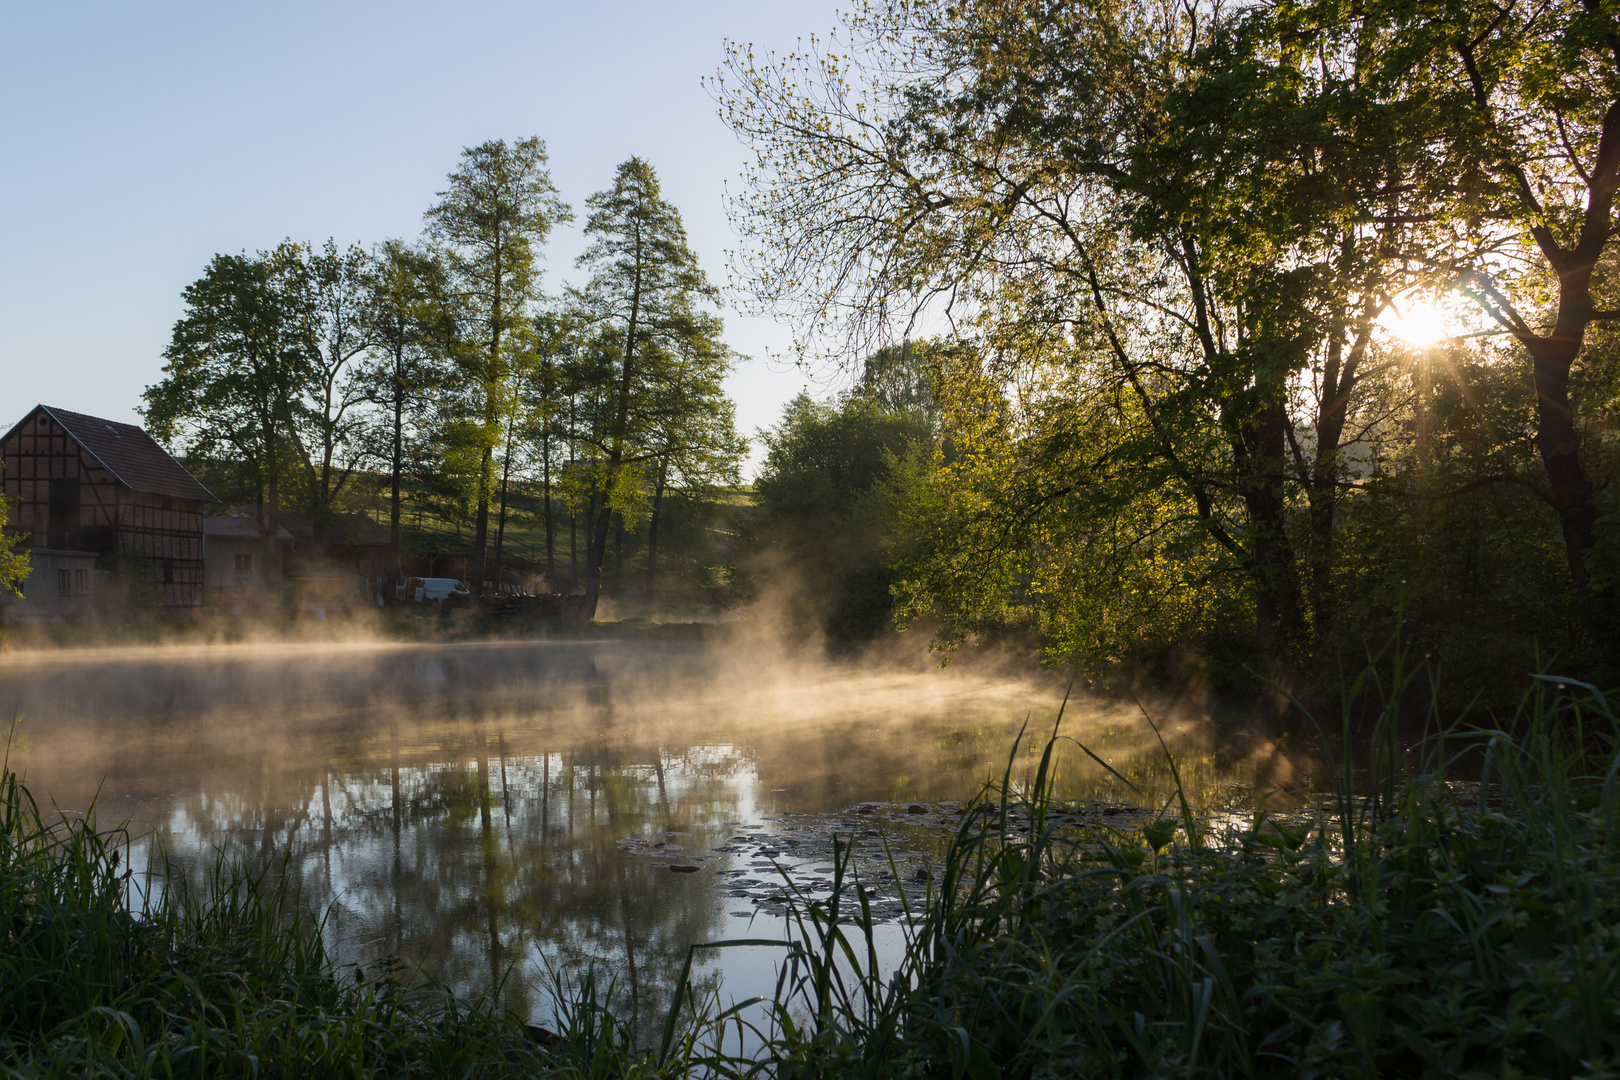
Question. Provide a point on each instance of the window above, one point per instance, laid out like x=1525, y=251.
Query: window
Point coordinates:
x=81, y=582
x=64, y=583
x=244, y=564
x=168, y=571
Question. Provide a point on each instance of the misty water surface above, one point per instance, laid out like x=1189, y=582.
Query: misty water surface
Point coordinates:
x=491, y=808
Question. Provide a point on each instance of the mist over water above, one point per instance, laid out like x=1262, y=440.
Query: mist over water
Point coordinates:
x=501, y=807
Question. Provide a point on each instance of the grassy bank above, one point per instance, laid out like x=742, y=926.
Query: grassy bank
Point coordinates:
x=224, y=981
x=1408, y=925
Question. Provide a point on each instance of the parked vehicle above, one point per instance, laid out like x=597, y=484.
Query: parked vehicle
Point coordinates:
x=427, y=590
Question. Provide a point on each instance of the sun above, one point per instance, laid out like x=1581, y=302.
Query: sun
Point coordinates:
x=1416, y=322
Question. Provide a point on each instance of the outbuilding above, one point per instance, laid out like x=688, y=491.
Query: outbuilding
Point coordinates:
x=242, y=573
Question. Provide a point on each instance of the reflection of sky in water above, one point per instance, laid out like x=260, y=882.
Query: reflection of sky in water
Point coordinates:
x=479, y=808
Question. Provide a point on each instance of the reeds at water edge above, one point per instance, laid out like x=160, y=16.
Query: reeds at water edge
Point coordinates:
x=1407, y=925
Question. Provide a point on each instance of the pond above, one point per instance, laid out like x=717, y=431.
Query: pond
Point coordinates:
x=499, y=812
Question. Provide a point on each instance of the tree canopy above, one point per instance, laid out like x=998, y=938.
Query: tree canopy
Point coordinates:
x=657, y=353
x=498, y=209
x=1177, y=240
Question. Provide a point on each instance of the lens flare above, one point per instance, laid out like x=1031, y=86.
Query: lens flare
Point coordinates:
x=1416, y=322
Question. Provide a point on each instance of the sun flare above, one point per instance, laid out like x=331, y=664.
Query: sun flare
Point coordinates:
x=1416, y=322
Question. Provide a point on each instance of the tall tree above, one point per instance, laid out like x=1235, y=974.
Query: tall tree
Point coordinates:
x=1522, y=104
x=331, y=289
x=410, y=331
x=1165, y=235
x=642, y=300
x=237, y=367
x=500, y=205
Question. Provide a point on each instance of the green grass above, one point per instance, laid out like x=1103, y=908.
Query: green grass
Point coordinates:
x=1408, y=929
x=1407, y=926
x=224, y=980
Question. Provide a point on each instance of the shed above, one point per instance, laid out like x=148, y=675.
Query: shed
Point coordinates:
x=241, y=572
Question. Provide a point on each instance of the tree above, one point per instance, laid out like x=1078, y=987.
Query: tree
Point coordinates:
x=237, y=367
x=409, y=332
x=904, y=378
x=1522, y=104
x=332, y=291
x=1165, y=233
x=13, y=563
x=640, y=307
x=824, y=519
x=695, y=446
x=500, y=205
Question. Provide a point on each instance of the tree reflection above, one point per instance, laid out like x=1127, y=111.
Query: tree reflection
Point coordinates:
x=462, y=807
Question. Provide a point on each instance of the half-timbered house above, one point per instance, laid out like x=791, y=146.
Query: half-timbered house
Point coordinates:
x=79, y=485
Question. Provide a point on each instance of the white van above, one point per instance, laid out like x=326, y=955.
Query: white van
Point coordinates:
x=423, y=590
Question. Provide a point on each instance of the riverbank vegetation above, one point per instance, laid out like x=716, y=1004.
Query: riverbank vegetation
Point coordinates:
x=324, y=380
x=1266, y=322
x=1408, y=923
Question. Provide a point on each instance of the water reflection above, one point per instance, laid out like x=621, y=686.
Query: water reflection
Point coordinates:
x=467, y=807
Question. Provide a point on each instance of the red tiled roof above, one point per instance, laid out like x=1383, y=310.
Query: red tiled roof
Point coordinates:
x=131, y=455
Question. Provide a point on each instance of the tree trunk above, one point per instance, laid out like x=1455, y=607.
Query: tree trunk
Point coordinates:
x=500, y=528
x=593, y=570
x=1558, y=444
x=595, y=555
x=1339, y=378
x=395, y=467
x=491, y=417
x=475, y=570
x=1261, y=454
x=618, y=559
x=652, y=532
x=272, y=524
x=545, y=483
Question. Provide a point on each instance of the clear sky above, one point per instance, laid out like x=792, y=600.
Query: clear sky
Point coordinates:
x=138, y=139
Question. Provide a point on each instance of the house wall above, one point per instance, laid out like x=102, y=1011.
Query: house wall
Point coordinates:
x=163, y=536
x=43, y=596
x=39, y=452
x=225, y=588
x=61, y=498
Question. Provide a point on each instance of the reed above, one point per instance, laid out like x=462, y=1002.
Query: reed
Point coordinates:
x=1407, y=925
x=1410, y=926
x=105, y=972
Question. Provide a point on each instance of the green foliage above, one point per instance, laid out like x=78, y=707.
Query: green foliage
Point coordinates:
x=824, y=528
x=409, y=326
x=300, y=373
x=1173, y=241
x=499, y=207
x=334, y=288
x=235, y=374
x=13, y=563
x=262, y=389
x=648, y=366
